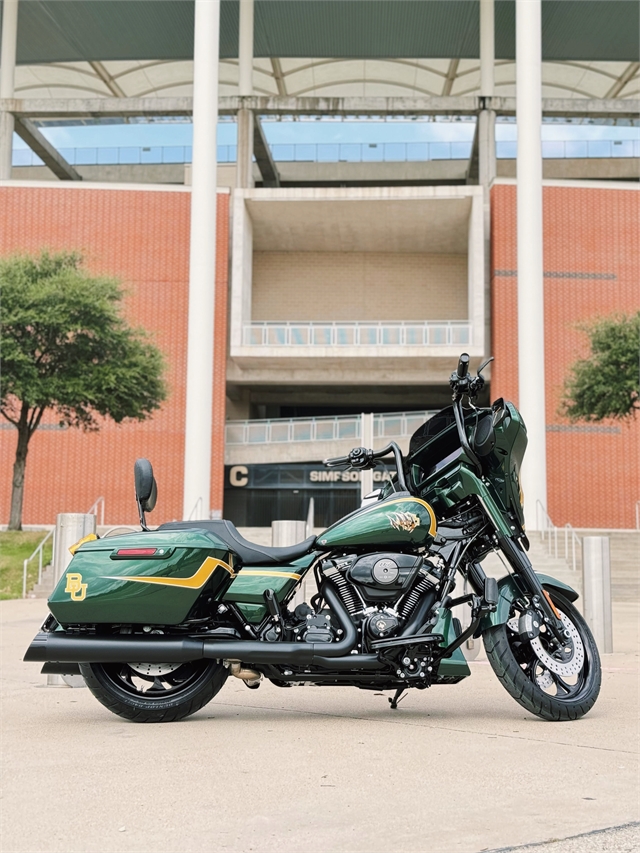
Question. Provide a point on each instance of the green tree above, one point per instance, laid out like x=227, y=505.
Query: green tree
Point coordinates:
x=66, y=347
x=607, y=383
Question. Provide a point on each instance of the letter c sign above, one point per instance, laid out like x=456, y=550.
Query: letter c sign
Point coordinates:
x=239, y=475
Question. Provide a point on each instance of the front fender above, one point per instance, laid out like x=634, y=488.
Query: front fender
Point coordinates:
x=508, y=590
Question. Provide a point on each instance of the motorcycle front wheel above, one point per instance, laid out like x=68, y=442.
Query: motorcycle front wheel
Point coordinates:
x=154, y=692
x=553, y=684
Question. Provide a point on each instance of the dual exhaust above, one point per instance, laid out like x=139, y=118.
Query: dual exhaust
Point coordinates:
x=63, y=648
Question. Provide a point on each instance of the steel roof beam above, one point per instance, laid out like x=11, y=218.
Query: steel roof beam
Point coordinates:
x=107, y=79
x=29, y=133
x=628, y=75
x=42, y=108
x=262, y=153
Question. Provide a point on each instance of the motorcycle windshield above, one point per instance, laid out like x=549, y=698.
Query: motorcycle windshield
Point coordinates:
x=429, y=429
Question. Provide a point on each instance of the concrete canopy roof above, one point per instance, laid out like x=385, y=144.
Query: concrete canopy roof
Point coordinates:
x=70, y=48
x=327, y=221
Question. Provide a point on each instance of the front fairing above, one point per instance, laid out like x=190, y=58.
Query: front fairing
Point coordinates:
x=443, y=474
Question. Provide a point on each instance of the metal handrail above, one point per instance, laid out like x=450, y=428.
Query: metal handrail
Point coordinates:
x=549, y=533
x=357, y=333
x=548, y=530
x=569, y=530
x=197, y=504
x=39, y=551
x=336, y=152
x=93, y=510
x=338, y=428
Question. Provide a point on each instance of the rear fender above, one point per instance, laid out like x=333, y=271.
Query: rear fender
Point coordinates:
x=508, y=591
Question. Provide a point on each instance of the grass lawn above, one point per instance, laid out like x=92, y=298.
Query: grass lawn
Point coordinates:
x=15, y=548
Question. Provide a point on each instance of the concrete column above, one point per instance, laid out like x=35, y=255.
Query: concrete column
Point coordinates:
x=244, y=171
x=244, y=161
x=531, y=399
x=7, y=82
x=202, y=261
x=366, y=440
x=283, y=534
x=245, y=49
x=487, y=149
x=487, y=48
x=596, y=585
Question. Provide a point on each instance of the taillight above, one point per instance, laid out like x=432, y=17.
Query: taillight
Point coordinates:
x=136, y=552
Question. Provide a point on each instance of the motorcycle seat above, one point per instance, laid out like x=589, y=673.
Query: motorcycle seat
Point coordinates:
x=249, y=553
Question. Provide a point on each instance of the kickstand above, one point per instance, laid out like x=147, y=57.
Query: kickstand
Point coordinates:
x=394, y=702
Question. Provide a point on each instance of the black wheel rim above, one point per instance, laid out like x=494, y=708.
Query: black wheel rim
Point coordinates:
x=555, y=685
x=156, y=685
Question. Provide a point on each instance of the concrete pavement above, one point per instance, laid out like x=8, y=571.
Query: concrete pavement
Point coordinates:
x=456, y=769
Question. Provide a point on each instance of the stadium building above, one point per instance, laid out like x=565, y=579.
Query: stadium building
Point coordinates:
x=311, y=300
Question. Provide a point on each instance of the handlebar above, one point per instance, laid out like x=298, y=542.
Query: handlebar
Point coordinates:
x=360, y=458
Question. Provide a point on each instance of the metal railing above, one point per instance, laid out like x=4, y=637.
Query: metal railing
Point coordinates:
x=576, y=149
x=39, y=552
x=357, y=334
x=339, y=428
x=338, y=152
x=548, y=530
x=369, y=152
x=571, y=538
x=549, y=535
x=93, y=510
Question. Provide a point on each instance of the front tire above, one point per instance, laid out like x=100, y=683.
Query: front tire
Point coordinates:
x=154, y=693
x=521, y=668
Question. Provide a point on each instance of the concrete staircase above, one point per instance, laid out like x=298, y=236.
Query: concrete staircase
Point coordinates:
x=45, y=587
x=625, y=562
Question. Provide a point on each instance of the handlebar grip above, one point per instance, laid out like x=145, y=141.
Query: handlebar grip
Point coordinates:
x=463, y=365
x=336, y=462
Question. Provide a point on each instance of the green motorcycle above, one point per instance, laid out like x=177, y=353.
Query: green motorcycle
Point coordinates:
x=157, y=621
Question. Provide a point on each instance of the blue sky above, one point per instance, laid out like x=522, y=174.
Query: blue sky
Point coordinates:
x=324, y=131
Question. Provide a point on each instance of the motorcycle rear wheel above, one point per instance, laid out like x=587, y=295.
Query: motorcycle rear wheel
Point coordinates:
x=154, y=693
x=538, y=689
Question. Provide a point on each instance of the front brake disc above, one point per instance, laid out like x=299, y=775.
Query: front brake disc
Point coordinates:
x=574, y=650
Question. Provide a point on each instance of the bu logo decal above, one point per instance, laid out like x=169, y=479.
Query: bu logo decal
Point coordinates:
x=75, y=587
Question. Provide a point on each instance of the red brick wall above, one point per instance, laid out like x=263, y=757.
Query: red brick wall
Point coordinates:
x=593, y=469
x=142, y=238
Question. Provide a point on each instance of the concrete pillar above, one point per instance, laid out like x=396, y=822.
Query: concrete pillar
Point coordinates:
x=244, y=171
x=245, y=49
x=531, y=399
x=71, y=527
x=596, y=586
x=244, y=156
x=366, y=440
x=487, y=48
x=202, y=261
x=283, y=534
x=487, y=149
x=7, y=82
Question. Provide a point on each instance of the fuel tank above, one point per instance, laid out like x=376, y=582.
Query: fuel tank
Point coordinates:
x=394, y=522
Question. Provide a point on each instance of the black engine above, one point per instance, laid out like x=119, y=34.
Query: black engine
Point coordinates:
x=381, y=590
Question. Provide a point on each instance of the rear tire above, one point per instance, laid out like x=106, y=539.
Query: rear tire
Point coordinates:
x=521, y=673
x=172, y=695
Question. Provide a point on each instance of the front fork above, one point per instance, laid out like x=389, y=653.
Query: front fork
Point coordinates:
x=521, y=565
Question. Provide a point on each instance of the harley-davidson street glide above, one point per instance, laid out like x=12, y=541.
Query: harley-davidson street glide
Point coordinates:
x=156, y=621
